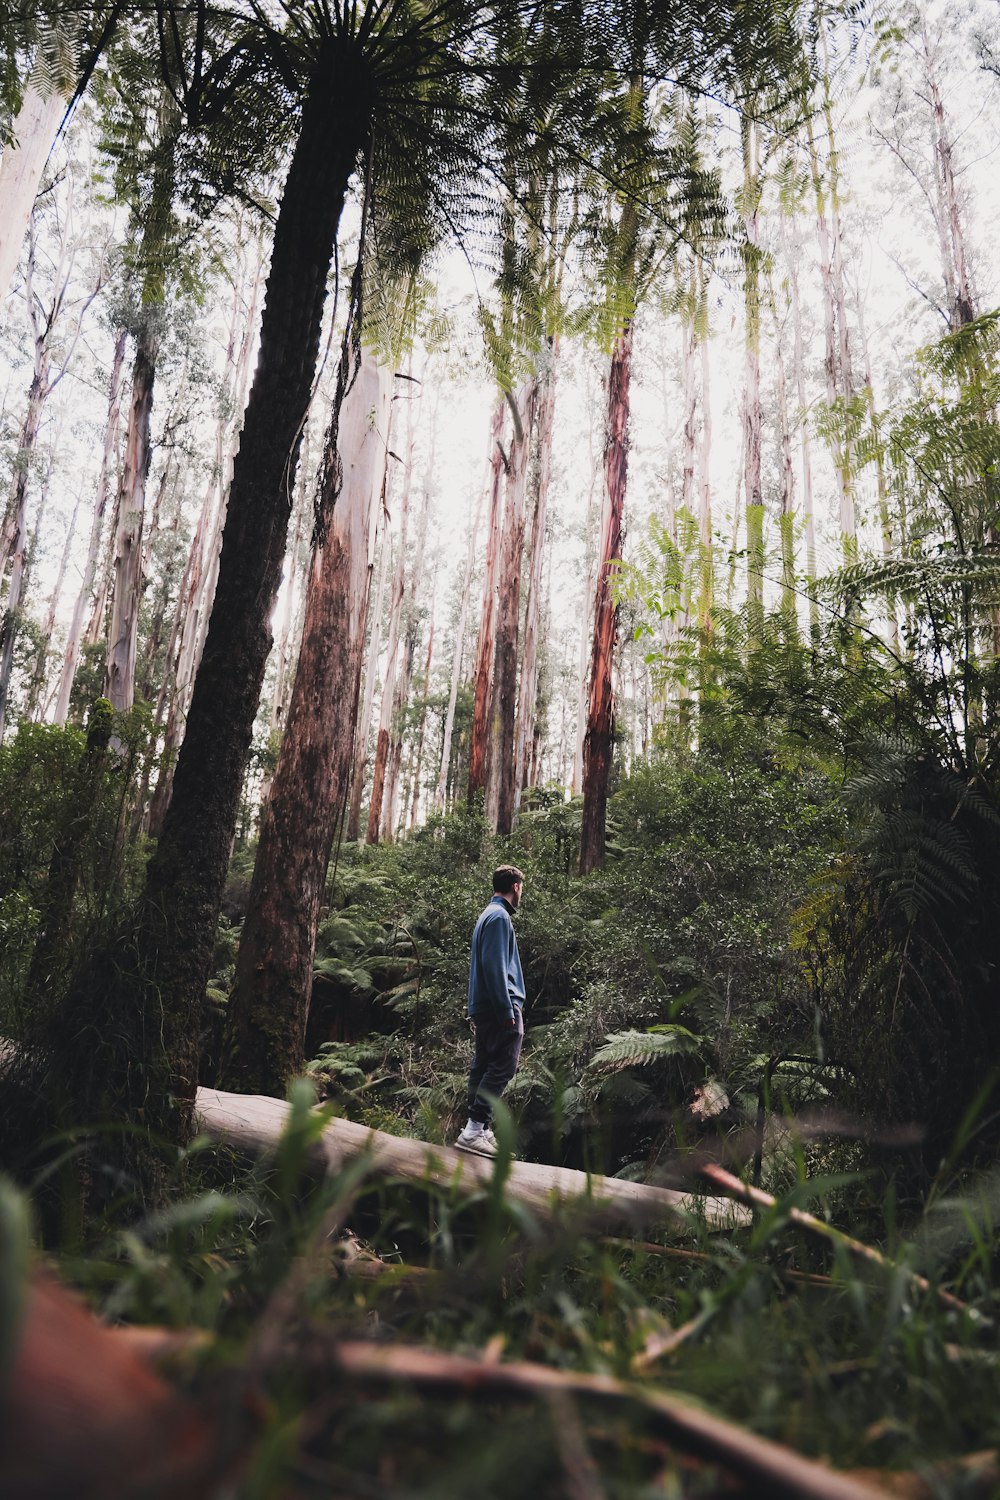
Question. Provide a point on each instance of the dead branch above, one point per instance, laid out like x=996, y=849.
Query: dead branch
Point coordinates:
x=771, y=1469
x=757, y=1198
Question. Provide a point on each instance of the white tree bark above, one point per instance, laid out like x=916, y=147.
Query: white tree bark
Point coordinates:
x=21, y=168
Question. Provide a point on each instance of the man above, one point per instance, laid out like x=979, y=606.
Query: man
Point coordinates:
x=496, y=998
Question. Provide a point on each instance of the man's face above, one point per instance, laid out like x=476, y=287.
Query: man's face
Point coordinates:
x=515, y=894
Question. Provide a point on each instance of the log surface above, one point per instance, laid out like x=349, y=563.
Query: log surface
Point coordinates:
x=253, y=1122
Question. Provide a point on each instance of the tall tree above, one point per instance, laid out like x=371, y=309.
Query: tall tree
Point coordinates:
x=269, y=1004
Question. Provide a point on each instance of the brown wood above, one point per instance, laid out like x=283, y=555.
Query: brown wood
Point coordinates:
x=545, y=425
x=597, y=744
x=503, y=790
x=482, y=679
x=269, y=1004
x=186, y=874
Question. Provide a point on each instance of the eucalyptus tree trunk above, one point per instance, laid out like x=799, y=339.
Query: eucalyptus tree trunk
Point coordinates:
x=187, y=871
x=21, y=167
x=119, y=684
x=441, y=791
x=365, y=718
x=395, y=649
x=269, y=1004
x=36, y=690
x=404, y=677
x=105, y=472
x=752, y=422
x=545, y=422
x=951, y=232
x=126, y=594
x=597, y=744
x=18, y=506
x=834, y=319
x=421, y=731
x=706, y=562
x=503, y=787
x=805, y=457
x=789, y=607
x=586, y=633
x=482, y=680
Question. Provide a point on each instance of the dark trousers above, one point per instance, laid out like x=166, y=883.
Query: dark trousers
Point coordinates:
x=498, y=1048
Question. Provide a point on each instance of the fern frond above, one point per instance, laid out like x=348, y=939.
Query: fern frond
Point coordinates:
x=632, y=1049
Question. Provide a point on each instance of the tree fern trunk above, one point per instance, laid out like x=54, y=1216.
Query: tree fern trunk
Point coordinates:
x=186, y=873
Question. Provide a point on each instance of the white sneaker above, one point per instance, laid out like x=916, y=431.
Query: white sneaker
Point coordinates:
x=481, y=1142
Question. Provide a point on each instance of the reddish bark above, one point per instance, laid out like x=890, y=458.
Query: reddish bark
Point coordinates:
x=364, y=727
x=502, y=787
x=597, y=744
x=187, y=871
x=483, y=674
x=269, y=1005
x=545, y=416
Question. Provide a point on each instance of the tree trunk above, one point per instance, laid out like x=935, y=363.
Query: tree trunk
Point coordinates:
x=198, y=592
x=119, y=686
x=752, y=422
x=502, y=778
x=269, y=1005
x=21, y=168
x=404, y=677
x=441, y=793
x=805, y=457
x=94, y=545
x=789, y=605
x=482, y=679
x=533, y=608
x=35, y=695
x=371, y=669
x=37, y=393
x=706, y=565
x=187, y=871
x=394, y=651
x=836, y=336
x=422, y=730
x=597, y=744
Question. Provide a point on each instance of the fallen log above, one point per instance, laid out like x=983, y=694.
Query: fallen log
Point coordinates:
x=254, y=1123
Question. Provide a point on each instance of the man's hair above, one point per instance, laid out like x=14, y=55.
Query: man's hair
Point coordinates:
x=505, y=878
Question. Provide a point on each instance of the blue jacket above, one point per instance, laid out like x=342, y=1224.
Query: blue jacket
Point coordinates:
x=496, y=983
